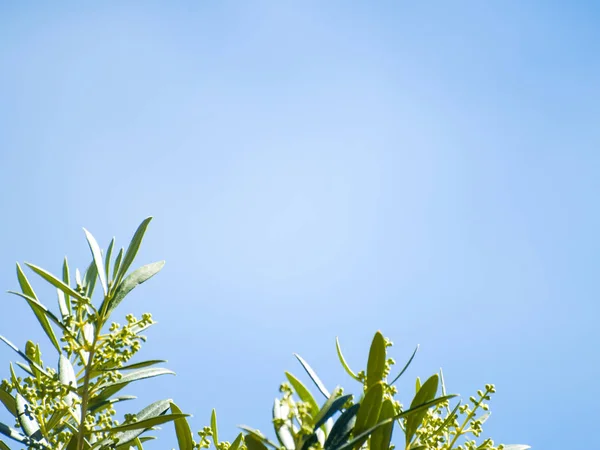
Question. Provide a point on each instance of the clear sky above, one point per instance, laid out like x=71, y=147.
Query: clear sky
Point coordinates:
x=430, y=169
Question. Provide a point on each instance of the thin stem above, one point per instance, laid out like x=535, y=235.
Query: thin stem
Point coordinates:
x=459, y=432
x=85, y=397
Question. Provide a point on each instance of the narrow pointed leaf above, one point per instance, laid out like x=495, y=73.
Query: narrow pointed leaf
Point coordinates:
x=97, y=255
x=62, y=305
x=3, y=446
x=23, y=355
x=405, y=366
x=342, y=427
x=425, y=394
x=138, y=365
x=370, y=408
x=42, y=310
x=145, y=424
x=258, y=435
x=377, y=360
x=118, y=260
x=213, y=426
x=343, y=360
x=123, y=437
x=67, y=281
x=235, y=445
x=408, y=413
x=41, y=317
x=138, y=375
x=382, y=437
x=254, y=443
x=331, y=406
x=303, y=393
x=55, y=282
x=27, y=420
x=136, y=278
x=89, y=279
x=132, y=250
x=111, y=401
x=109, y=251
x=13, y=434
x=182, y=429
x=8, y=401
x=313, y=376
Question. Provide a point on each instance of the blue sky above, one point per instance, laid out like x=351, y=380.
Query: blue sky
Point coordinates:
x=316, y=169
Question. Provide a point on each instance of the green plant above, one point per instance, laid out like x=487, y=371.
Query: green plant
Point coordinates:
x=71, y=406
x=430, y=422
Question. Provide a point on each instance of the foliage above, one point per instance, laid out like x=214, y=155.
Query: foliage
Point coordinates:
x=73, y=406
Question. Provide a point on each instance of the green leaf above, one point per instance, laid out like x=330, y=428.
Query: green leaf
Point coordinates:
x=235, y=445
x=342, y=427
x=62, y=305
x=136, y=278
x=27, y=420
x=425, y=394
x=8, y=401
x=281, y=424
x=313, y=376
x=89, y=279
x=370, y=408
x=343, y=361
x=43, y=311
x=138, y=365
x=66, y=376
x=405, y=366
x=98, y=406
x=331, y=406
x=41, y=317
x=14, y=434
x=258, y=435
x=56, y=282
x=23, y=355
x=213, y=427
x=132, y=250
x=382, y=437
x=254, y=443
x=182, y=430
x=303, y=393
x=66, y=281
x=123, y=437
x=408, y=413
x=3, y=446
x=145, y=423
x=118, y=260
x=137, y=375
x=97, y=255
x=109, y=251
x=377, y=360
x=417, y=385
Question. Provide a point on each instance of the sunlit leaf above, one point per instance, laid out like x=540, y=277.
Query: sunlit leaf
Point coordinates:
x=182, y=430
x=343, y=360
x=370, y=408
x=313, y=376
x=377, y=360
x=425, y=394
x=342, y=427
x=97, y=255
x=56, y=282
x=133, y=280
x=303, y=393
x=41, y=317
x=382, y=437
x=131, y=252
x=406, y=366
